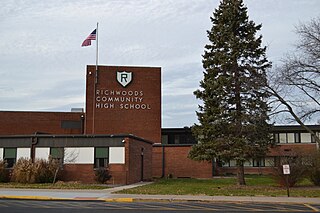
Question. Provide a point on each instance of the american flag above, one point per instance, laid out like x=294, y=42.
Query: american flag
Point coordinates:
x=87, y=41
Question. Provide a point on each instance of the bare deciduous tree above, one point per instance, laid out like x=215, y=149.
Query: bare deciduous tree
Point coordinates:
x=66, y=157
x=295, y=85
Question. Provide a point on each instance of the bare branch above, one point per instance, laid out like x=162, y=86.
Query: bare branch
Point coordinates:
x=293, y=114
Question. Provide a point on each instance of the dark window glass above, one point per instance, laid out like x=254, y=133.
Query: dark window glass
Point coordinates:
x=57, y=154
x=164, y=139
x=10, y=162
x=171, y=139
x=178, y=137
x=297, y=137
x=276, y=138
x=10, y=155
x=259, y=162
x=71, y=124
x=101, y=157
x=313, y=139
x=101, y=162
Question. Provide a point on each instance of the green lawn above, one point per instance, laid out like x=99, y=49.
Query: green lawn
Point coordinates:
x=256, y=186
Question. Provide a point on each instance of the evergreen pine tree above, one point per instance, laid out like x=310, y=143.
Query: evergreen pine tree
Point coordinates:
x=233, y=117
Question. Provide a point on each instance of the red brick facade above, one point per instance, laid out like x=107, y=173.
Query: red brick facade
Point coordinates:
x=138, y=160
x=26, y=123
x=136, y=151
x=292, y=149
x=118, y=173
x=114, y=109
x=247, y=170
x=177, y=163
x=78, y=172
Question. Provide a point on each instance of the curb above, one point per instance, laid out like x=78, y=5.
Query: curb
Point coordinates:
x=119, y=200
x=314, y=201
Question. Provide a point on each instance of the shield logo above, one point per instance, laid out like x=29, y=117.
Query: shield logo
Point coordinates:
x=124, y=78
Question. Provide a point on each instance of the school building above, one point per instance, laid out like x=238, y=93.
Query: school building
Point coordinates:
x=120, y=128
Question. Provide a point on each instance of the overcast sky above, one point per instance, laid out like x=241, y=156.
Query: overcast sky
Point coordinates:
x=42, y=65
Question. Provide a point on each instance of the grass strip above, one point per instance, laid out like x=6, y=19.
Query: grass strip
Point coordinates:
x=256, y=186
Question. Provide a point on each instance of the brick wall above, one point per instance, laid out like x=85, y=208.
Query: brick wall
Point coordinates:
x=144, y=89
x=133, y=149
x=247, y=170
x=118, y=173
x=85, y=173
x=78, y=172
x=292, y=149
x=25, y=123
x=178, y=164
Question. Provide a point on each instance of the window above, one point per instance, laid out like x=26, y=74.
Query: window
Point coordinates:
x=70, y=124
x=101, y=157
x=247, y=163
x=232, y=163
x=225, y=163
x=164, y=139
x=57, y=154
x=259, y=162
x=313, y=139
x=270, y=161
x=176, y=139
x=290, y=138
x=283, y=137
x=171, y=139
x=305, y=138
x=10, y=156
x=276, y=137
x=297, y=138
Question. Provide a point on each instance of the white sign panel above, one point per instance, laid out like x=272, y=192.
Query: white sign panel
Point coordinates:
x=124, y=78
x=286, y=169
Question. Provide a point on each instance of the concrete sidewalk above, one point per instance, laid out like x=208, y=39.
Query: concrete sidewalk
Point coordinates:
x=108, y=196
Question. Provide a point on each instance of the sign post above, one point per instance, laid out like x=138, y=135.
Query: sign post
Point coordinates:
x=286, y=172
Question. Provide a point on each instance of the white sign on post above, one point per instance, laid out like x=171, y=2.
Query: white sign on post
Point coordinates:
x=286, y=169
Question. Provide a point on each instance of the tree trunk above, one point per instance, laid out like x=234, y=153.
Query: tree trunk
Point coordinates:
x=55, y=175
x=240, y=174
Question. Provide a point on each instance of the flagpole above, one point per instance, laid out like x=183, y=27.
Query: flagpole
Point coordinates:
x=95, y=82
x=97, y=55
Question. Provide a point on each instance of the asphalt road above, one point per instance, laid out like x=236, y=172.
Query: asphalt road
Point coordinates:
x=34, y=206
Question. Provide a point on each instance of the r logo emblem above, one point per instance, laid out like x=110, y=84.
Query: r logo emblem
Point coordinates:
x=124, y=78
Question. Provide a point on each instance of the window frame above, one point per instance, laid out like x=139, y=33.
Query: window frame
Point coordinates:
x=297, y=137
x=14, y=160
x=100, y=160
x=313, y=139
x=60, y=159
x=276, y=138
x=285, y=139
x=258, y=162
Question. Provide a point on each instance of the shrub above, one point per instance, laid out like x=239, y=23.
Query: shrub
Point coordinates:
x=298, y=169
x=45, y=170
x=314, y=172
x=41, y=171
x=4, y=173
x=102, y=175
x=315, y=177
x=23, y=171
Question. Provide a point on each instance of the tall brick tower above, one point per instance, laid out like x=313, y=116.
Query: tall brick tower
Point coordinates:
x=122, y=99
